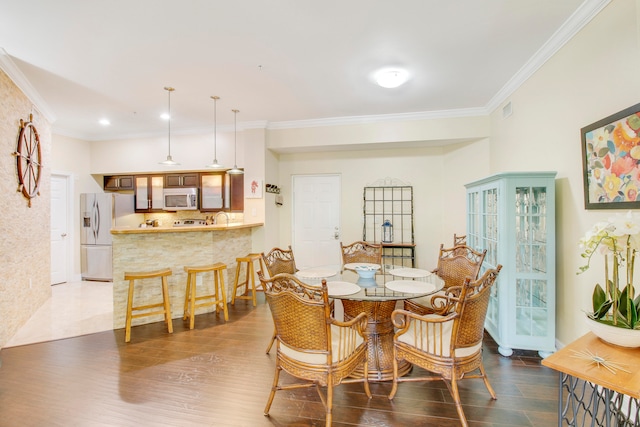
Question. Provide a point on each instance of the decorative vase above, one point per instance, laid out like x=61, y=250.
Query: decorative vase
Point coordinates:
x=613, y=335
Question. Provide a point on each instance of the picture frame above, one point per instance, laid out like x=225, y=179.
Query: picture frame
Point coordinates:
x=254, y=188
x=611, y=161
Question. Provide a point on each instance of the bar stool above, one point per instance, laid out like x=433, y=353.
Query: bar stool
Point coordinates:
x=217, y=299
x=249, y=277
x=166, y=308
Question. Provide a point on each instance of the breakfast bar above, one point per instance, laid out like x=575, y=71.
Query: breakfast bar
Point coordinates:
x=154, y=248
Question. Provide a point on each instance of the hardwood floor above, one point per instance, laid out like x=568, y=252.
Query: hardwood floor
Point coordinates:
x=219, y=375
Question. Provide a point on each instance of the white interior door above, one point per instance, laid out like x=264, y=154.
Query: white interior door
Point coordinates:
x=60, y=239
x=316, y=220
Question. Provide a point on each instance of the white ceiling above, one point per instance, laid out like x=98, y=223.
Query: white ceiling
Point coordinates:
x=278, y=61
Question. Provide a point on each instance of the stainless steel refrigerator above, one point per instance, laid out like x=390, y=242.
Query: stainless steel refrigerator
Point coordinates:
x=99, y=212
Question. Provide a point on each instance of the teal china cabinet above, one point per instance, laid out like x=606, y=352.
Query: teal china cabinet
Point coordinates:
x=512, y=216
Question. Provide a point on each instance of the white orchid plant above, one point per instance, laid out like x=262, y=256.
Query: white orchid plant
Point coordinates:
x=617, y=239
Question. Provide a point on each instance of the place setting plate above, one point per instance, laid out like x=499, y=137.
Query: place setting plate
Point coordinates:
x=410, y=286
x=353, y=265
x=409, y=272
x=338, y=288
x=316, y=273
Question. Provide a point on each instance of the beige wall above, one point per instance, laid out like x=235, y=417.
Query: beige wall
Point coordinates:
x=592, y=77
x=24, y=247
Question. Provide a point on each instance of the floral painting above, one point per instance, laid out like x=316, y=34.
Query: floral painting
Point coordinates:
x=611, y=153
x=254, y=189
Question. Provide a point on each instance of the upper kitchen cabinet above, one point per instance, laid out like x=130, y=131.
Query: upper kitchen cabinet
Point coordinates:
x=235, y=189
x=118, y=182
x=177, y=180
x=148, y=193
x=220, y=191
x=212, y=191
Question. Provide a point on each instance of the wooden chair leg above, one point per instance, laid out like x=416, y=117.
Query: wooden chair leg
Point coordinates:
x=274, y=388
x=235, y=284
x=167, y=306
x=187, y=293
x=273, y=339
x=127, y=328
x=219, y=283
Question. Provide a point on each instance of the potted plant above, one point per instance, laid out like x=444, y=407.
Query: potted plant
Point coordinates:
x=615, y=306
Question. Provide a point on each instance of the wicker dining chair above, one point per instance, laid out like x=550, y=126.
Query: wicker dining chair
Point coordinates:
x=449, y=346
x=454, y=266
x=310, y=344
x=361, y=252
x=278, y=261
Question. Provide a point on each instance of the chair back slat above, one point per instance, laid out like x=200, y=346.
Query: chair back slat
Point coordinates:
x=361, y=252
x=279, y=261
x=469, y=325
x=457, y=263
x=300, y=312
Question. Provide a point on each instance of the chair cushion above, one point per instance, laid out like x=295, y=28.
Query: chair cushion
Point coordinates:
x=429, y=345
x=317, y=358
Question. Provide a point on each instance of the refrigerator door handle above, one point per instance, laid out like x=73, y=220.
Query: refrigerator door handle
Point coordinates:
x=96, y=220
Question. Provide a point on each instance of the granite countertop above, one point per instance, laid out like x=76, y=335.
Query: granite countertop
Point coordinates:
x=215, y=227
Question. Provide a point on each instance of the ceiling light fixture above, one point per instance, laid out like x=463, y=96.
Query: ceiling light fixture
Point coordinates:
x=215, y=164
x=104, y=122
x=391, y=78
x=169, y=161
x=235, y=170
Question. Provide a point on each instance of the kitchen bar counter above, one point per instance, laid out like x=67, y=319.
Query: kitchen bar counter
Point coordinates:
x=153, y=248
x=214, y=227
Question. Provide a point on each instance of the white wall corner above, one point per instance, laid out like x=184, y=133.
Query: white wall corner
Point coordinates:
x=11, y=69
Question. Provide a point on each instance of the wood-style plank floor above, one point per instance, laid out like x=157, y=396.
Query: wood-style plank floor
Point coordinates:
x=219, y=375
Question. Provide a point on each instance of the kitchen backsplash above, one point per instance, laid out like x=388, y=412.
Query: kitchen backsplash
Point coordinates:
x=166, y=219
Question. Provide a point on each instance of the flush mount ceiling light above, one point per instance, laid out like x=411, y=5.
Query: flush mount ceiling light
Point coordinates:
x=215, y=164
x=235, y=170
x=390, y=78
x=104, y=122
x=169, y=161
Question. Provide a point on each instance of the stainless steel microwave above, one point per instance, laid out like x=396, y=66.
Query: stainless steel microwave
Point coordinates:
x=180, y=199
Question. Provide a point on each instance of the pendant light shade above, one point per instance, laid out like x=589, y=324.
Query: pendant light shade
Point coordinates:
x=235, y=170
x=169, y=161
x=215, y=164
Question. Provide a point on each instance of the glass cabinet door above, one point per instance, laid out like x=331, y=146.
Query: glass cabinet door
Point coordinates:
x=531, y=261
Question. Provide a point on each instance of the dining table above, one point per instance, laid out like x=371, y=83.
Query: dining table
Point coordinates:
x=378, y=297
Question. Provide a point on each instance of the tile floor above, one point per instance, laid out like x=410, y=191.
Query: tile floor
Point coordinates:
x=74, y=309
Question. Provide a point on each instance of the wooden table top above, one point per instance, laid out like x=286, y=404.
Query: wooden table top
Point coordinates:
x=572, y=360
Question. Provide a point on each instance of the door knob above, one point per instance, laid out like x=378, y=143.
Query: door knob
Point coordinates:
x=63, y=235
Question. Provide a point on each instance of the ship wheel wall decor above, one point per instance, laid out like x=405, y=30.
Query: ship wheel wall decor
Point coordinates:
x=28, y=159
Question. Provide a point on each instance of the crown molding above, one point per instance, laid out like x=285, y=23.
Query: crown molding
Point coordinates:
x=14, y=73
x=581, y=17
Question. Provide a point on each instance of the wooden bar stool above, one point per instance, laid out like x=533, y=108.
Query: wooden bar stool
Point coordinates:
x=166, y=308
x=249, y=278
x=217, y=299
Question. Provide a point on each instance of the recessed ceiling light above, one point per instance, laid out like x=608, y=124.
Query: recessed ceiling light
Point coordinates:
x=390, y=78
x=165, y=116
x=104, y=122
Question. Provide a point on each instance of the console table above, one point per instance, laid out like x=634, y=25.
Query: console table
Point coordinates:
x=592, y=395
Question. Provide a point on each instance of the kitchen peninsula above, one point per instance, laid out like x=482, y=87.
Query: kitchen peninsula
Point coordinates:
x=153, y=248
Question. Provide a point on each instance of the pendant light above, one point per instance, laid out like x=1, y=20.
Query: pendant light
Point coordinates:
x=215, y=164
x=169, y=161
x=235, y=170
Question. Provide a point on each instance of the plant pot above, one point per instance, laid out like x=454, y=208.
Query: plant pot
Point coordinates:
x=613, y=335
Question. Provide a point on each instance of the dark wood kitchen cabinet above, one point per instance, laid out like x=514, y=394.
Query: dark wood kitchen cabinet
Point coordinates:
x=118, y=182
x=148, y=193
x=236, y=192
x=178, y=180
x=220, y=191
